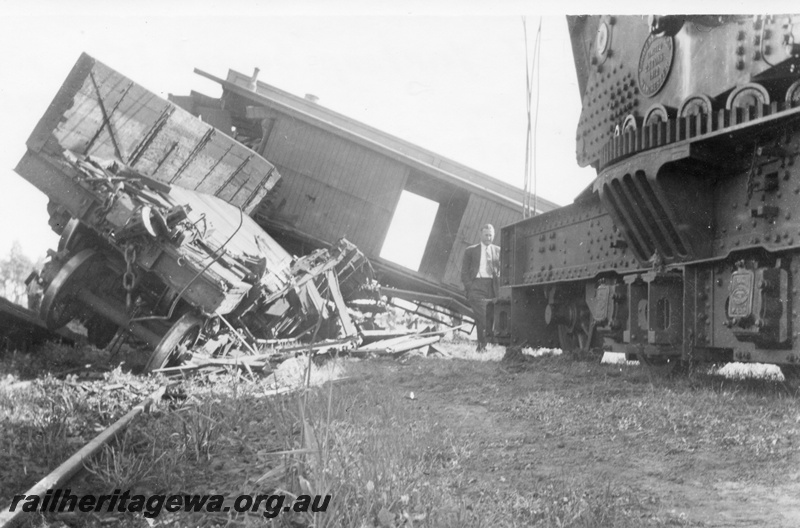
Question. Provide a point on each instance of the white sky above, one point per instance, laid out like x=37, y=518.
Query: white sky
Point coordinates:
x=447, y=76
x=413, y=215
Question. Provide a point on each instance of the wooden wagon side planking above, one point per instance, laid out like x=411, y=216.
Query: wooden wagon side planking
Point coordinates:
x=153, y=209
x=344, y=178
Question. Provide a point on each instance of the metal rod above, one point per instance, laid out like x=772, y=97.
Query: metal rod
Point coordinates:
x=63, y=473
x=214, y=166
x=193, y=154
x=106, y=118
x=140, y=149
x=235, y=172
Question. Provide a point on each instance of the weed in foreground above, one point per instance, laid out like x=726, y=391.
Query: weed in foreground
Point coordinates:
x=388, y=460
x=118, y=466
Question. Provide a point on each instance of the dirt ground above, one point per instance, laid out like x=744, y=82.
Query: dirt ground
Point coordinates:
x=698, y=452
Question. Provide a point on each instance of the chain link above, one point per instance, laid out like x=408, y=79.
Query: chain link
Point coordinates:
x=129, y=277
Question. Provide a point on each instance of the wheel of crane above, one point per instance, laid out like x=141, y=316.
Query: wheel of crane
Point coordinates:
x=791, y=376
x=664, y=365
x=576, y=335
x=631, y=123
x=59, y=305
x=793, y=94
x=658, y=113
x=698, y=104
x=180, y=337
x=750, y=94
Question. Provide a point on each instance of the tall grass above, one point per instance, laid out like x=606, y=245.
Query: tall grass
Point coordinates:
x=388, y=459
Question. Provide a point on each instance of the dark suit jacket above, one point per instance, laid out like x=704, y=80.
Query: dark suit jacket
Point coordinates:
x=471, y=262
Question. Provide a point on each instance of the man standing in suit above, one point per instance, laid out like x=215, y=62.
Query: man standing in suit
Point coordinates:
x=480, y=271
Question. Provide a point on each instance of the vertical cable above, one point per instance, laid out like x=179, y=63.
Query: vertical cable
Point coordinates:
x=531, y=72
x=537, y=64
x=526, y=174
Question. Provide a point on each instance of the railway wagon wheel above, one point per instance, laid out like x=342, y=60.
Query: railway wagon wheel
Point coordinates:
x=180, y=337
x=59, y=305
x=73, y=235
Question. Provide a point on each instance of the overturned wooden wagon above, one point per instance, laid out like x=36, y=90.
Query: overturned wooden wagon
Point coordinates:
x=153, y=209
x=341, y=176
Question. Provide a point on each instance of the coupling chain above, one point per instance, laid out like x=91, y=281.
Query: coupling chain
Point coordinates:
x=129, y=277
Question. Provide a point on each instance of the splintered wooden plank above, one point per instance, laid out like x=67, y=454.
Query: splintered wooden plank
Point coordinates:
x=348, y=327
x=101, y=113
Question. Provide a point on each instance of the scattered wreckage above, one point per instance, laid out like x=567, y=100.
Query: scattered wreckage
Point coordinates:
x=342, y=177
x=161, y=210
x=173, y=266
x=168, y=264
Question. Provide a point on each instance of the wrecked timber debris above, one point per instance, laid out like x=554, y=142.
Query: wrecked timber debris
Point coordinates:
x=163, y=235
x=152, y=206
x=342, y=177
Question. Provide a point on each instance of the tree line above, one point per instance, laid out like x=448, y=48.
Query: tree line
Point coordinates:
x=15, y=268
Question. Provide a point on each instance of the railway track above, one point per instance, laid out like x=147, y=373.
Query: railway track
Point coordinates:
x=61, y=476
x=120, y=400
x=21, y=329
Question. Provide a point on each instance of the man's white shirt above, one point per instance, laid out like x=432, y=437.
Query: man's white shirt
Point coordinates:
x=485, y=270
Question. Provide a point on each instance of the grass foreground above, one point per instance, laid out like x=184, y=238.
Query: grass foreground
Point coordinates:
x=422, y=442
